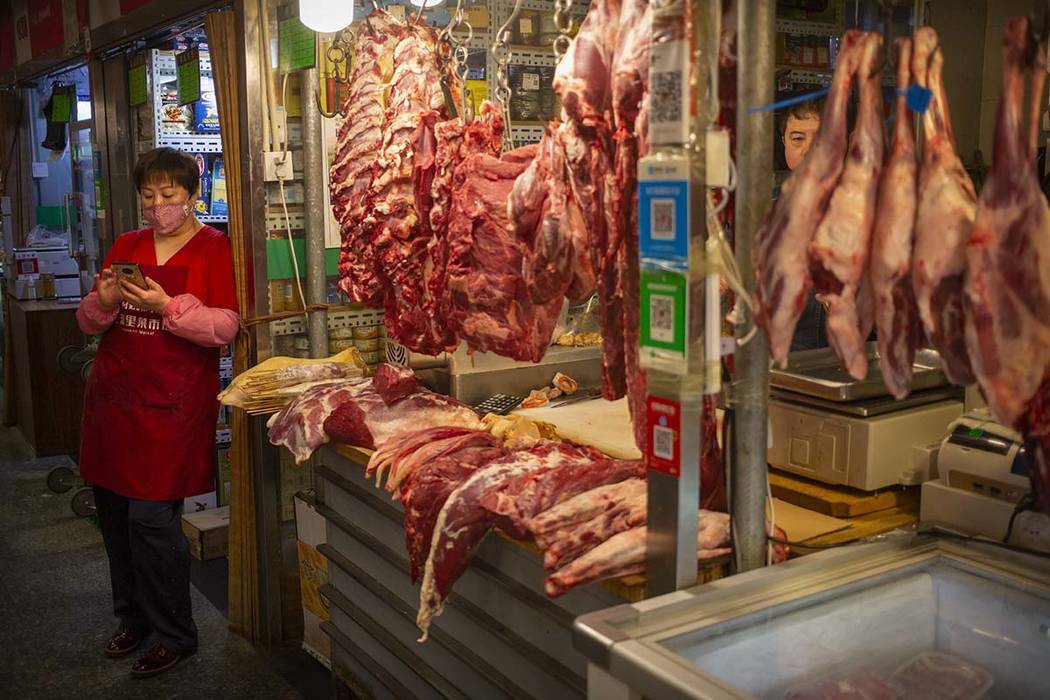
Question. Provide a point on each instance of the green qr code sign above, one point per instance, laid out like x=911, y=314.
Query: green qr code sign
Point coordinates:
x=663, y=310
x=296, y=45
x=137, y=88
x=188, y=75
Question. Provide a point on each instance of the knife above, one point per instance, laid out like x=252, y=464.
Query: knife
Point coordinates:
x=580, y=395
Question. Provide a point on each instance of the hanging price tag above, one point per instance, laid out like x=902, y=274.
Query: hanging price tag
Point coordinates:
x=188, y=75
x=664, y=309
x=137, y=85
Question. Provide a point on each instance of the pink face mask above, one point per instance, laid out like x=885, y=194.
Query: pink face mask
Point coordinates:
x=166, y=218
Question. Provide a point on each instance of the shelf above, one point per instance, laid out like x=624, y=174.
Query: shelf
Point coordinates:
x=794, y=26
x=209, y=219
x=191, y=142
x=337, y=318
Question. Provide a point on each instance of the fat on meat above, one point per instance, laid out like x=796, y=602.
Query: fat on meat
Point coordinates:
x=426, y=490
x=1008, y=267
x=840, y=248
x=299, y=426
x=407, y=442
x=623, y=554
x=464, y=520
x=946, y=209
x=360, y=135
x=781, y=250
x=580, y=508
x=573, y=542
x=896, y=314
x=368, y=421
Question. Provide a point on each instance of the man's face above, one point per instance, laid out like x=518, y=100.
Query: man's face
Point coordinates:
x=798, y=136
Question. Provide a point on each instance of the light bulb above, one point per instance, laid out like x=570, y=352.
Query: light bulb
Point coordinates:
x=325, y=15
x=426, y=3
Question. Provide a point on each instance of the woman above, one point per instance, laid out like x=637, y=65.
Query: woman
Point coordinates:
x=148, y=433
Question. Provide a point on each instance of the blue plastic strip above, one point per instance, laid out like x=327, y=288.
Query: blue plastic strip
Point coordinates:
x=798, y=99
x=917, y=98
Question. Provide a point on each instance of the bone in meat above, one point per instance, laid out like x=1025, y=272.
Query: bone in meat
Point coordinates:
x=781, y=249
x=1008, y=268
x=839, y=251
x=946, y=208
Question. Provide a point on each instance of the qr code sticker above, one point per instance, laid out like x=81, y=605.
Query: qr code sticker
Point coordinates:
x=663, y=442
x=661, y=318
x=663, y=215
x=665, y=97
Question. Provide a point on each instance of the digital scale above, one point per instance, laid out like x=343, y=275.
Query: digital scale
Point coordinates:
x=827, y=426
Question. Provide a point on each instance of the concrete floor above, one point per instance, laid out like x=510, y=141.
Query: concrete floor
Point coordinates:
x=56, y=614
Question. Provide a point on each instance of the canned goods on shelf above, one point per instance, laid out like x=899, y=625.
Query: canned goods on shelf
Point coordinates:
x=370, y=358
x=369, y=345
x=340, y=333
x=365, y=332
x=339, y=344
x=302, y=343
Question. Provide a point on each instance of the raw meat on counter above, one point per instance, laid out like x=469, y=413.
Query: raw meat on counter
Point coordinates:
x=354, y=412
x=393, y=382
x=946, y=208
x=781, y=250
x=896, y=314
x=406, y=443
x=471, y=509
x=405, y=463
x=839, y=250
x=547, y=526
x=624, y=554
x=1008, y=267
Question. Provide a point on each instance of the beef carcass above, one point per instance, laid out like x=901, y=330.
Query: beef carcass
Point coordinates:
x=426, y=490
x=1008, y=267
x=623, y=554
x=840, y=248
x=946, y=208
x=896, y=315
x=464, y=521
x=360, y=136
x=781, y=250
x=487, y=303
x=368, y=421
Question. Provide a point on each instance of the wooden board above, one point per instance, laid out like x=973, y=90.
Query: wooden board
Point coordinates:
x=838, y=501
x=605, y=425
x=801, y=524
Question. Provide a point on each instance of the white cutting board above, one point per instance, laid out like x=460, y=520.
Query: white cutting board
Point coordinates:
x=605, y=425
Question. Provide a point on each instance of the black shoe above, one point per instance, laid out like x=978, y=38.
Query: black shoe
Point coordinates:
x=124, y=641
x=158, y=659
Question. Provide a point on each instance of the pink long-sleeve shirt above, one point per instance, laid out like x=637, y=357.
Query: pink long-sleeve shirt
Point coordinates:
x=185, y=316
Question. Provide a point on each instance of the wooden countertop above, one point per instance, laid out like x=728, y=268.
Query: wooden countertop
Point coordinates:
x=34, y=305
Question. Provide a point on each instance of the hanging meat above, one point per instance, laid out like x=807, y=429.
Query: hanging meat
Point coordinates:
x=781, y=251
x=1008, y=266
x=946, y=208
x=839, y=251
x=360, y=135
x=896, y=315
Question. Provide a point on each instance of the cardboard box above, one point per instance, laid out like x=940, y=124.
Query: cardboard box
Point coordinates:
x=313, y=573
x=208, y=532
x=204, y=501
x=294, y=478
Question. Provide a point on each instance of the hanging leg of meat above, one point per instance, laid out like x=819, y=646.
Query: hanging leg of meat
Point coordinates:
x=781, y=252
x=839, y=251
x=896, y=314
x=947, y=204
x=1008, y=267
x=582, y=78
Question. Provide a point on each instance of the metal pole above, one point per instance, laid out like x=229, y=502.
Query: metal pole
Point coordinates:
x=313, y=183
x=755, y=35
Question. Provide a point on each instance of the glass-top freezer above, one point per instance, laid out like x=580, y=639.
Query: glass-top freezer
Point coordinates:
x=924, y=619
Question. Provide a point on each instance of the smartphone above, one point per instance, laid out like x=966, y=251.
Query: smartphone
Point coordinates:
x=131, y=272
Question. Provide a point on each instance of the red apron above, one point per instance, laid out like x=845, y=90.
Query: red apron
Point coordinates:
x=150, y=407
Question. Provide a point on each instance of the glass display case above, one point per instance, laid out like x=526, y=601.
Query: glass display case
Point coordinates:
x=923, y=618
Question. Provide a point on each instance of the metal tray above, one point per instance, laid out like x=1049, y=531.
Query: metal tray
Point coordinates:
x=819, y=373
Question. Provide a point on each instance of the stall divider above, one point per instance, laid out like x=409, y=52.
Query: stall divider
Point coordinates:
x=314, y=182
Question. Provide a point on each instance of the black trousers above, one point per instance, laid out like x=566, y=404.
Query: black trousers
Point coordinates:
x=149, y=567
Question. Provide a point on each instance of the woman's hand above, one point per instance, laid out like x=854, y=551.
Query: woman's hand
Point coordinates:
x=108, y=290
x=154, y=298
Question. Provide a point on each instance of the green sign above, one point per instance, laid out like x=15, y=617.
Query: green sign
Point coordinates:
x=188, y=74
x=137, y=87
x=297, y=45
x=61, y=106
x=664, y=310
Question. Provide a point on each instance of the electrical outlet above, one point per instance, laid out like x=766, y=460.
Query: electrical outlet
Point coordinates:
x=277, y=166
x=1032, y=530
x=718, y=157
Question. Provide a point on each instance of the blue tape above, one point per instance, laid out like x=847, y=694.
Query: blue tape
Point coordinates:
x=798, y=99
x=917, y=98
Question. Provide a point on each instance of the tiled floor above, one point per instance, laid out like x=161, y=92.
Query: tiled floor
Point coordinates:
x=55, y=613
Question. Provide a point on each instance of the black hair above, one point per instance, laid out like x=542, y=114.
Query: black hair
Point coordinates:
x=162, y=164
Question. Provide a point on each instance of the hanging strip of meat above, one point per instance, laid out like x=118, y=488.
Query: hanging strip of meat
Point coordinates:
x=839, y=251
x=896, y=315
x=947, y=204
x=1008, y=267
x=781, y=252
